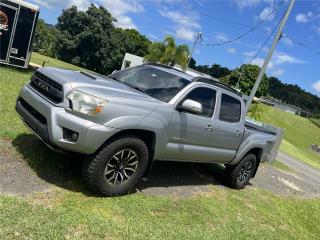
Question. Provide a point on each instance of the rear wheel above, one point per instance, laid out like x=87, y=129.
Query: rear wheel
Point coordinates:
x=118, y=167
x=238, y=176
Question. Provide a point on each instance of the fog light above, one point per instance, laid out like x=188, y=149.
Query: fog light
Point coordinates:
x=70, y=135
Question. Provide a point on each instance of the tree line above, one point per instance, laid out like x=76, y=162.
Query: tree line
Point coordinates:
x=89, y=39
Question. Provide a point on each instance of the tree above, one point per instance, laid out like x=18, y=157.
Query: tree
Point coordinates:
x=90, y=40
x=168, y=52
x=45, y=39
x=85, y=38
x=254, y=112
x=247, y=80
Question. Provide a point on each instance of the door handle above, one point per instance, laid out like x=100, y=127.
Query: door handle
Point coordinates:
x=209, y=128
x=237, y=132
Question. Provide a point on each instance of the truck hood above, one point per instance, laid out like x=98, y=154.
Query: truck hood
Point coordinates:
x=95, y=84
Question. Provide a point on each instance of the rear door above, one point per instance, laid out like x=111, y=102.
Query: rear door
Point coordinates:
x=8, y=16
x=228, y=127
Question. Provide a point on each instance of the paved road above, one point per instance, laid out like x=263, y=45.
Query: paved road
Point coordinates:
x=305, y=169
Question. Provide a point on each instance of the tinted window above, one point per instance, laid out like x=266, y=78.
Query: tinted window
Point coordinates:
x=230, y=110
x=205, y=96
x=152, y=81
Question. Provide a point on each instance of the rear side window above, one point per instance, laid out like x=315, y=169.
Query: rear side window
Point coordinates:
x=230, y=110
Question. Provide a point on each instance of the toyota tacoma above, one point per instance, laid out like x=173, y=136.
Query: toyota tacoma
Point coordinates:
x=127, y=120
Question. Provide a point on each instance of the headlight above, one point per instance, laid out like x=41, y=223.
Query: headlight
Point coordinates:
x=86, y=103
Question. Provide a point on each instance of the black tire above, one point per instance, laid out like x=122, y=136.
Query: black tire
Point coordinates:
x=238, y=176
x=97, y=174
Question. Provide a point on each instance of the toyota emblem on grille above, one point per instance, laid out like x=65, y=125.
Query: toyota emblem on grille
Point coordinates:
x=43, y=86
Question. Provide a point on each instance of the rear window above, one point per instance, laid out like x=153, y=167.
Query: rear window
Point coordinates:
x=230, y=110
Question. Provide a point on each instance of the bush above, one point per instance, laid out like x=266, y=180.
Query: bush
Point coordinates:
x=315, y=121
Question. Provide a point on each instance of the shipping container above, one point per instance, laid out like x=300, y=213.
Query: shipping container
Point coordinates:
x=18, y=21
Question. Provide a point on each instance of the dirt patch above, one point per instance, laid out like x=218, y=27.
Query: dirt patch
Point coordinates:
x=16, y=176
x=172, y=179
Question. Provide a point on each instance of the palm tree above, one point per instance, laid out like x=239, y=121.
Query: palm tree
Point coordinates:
x=254, y=112
x=167, y=52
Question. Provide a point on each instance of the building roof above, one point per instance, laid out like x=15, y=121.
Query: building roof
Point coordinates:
x=25, y=4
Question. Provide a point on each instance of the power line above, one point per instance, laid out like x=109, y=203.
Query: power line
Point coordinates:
x=243, y=34
x=260, y=49
x=306, y=46
x=266, y=40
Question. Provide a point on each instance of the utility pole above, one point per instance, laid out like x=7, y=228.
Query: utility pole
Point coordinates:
x=268, y=58
x=238, y=83
x=198, y=38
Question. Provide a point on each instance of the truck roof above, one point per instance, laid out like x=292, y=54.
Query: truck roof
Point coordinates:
x=25, y=4
x=195, y=79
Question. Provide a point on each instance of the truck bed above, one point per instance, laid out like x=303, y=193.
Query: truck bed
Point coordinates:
x=260, y=127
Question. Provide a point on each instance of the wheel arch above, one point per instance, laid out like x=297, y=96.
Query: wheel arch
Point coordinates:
x=149, y=137
x=258, y=153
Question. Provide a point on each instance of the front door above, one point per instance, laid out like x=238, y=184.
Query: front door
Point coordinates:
x=189, y=133
x=7, y=20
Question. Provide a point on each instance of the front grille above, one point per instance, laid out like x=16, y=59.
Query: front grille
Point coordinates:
x=32, y=111
x=47, y=87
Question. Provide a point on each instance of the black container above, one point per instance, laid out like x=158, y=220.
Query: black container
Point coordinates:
x=18, y=21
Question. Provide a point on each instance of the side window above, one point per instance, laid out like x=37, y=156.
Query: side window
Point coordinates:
x=205, y=96
x=230, y=110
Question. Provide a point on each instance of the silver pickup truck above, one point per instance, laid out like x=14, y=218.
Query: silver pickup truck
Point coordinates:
x=126, y=121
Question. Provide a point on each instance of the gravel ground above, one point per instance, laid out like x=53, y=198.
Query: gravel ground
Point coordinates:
x=167, y=178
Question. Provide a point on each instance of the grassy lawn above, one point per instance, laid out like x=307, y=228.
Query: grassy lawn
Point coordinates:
x=223, y=214
x=299, y=133
x=51, y=62
x=70, y=212
x=281, y=166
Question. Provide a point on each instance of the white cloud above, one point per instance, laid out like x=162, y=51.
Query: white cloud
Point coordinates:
x=180, y=19
x=267, y=14
x=118, y=9
x=274, y=66
x=185, y=26
x=185, y=34
x=232, y=50
x=222, y=37
x=280, y=58
x=277, y=72
x=316, y=86
x=152, y=36
x=246, y=3
x=303, y=18
x=249, y=54
x=287, y=41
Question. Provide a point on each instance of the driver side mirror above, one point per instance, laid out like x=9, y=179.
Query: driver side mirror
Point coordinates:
x=191, y=106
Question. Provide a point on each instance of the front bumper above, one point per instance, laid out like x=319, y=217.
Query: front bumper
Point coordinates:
x=48, y=121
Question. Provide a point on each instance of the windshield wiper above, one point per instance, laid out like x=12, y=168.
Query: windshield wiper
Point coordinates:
x=135, y=87
x=113, y=78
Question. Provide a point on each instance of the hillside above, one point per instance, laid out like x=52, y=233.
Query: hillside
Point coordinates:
x=299, y=134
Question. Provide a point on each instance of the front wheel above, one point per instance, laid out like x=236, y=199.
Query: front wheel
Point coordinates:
x=239, y=175
x=118, y=167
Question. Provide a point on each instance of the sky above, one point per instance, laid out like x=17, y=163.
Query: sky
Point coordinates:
x=220, y=21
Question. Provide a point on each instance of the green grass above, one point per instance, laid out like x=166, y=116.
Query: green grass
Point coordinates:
x=315, y=121
x=70, y=212
x=51, y=62
x=224, y=214
x=281, y=166
x=299, y=133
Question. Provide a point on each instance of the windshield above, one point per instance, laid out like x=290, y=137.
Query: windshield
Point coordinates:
x=152, y=81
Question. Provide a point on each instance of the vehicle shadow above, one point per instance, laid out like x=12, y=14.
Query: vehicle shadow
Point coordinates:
x=64, y=170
